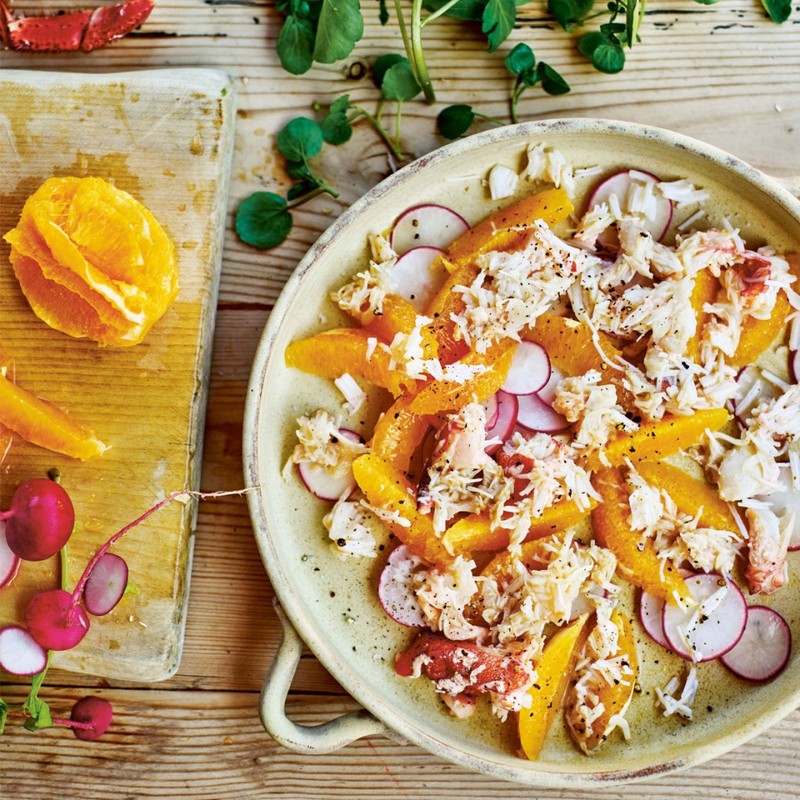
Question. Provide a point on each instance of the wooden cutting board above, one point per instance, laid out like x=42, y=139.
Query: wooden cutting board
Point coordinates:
x=165, y=136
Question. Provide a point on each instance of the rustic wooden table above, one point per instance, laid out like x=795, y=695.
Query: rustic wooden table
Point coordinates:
x=722, y=73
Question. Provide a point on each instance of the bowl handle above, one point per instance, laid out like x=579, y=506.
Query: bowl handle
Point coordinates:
x=322, y=738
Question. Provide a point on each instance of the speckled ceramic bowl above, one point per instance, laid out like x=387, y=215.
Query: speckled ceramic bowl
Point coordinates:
x=331, y=603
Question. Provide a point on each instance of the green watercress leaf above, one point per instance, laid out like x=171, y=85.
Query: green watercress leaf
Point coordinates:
x=570, y=14
x=3, y=714
x=382, y=65
x=399, y=82
x=299, y=170
x=300, y=139
x=336, y=127
x=36, y=709
x=608, y=57
x=300, y=189
x=339, y=27
x=455, y=121
x=497, y=21
x=295, y=45
x=520, y=60
x=552, y=81
x=778, y=10
x=383, y=13
x=263, y=220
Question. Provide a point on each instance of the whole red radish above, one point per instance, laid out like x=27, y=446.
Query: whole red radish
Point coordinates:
x=56, y=620
x=40, y=520
x=92, y=711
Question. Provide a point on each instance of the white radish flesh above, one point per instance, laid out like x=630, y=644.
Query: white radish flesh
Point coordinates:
x=324, y=483
x=427, y=225
x=491, y=408
x=711, y=627
x=396, y=588
x=651, y=610
x=19, y=652
x=626, y=186
x=536, y=415
x=105, y=585
x=529, y=371
x=9, y=561
x=548, y=392
x=417, y=275
x=763, y=651
x=506, y=419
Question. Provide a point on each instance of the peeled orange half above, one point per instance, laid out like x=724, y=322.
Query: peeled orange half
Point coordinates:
x=93, y=261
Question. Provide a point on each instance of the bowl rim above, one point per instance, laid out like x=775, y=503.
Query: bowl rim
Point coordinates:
x=384, y=710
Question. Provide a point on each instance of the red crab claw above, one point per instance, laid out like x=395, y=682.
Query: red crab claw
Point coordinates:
x=80, y=30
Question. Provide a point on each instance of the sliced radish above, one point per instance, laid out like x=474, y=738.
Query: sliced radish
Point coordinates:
x=548, y=391
x=786, y=500
x=396, y=588
x=752, y=389
x=711, y=627
x=529, y=371
x=20, y=654
x=9, y=561
x=492, y=408
x=106, y=584
x=506, y=419
x=417, y=275
x=794, y=365
x=428, y=225
x=536, y=415
x=625, y=185
x=764, y=648
x=323, y=483
x=651, y=610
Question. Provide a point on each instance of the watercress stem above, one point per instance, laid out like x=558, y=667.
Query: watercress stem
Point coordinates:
x=519, y=88
x=375, y=122
x=438, y=13
x=417, y=55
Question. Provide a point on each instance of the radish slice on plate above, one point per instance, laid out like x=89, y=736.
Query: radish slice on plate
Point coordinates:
x=529, y=371
x=428, y=225
x=651, y=614
x=503, y=427
x=711, y=627
x=417, y=276
x=763, y=651
x=396, y=588
x=638, y=194
x=105, y=585
x=20, y=654
x=536, y=415
x=492, y=408
x=794, y=365
x=548, y=391
x=323, y=483
x=9, y=561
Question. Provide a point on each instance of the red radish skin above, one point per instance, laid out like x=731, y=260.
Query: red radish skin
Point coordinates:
x=428, y=225
x=548, y=392
x=9, y=561
x=717, y=632
x=20, y=653
x=93, y=711
x=55, y=620
x=794, y=365
x=763, y=651
x=106, y=585
x=324, y=484
x=396, y=588
x=618, y=184
x=529, y=371
x=417, y=276
x=40, y=519
x=536, y=415
x=505, y=422
x=651, y=610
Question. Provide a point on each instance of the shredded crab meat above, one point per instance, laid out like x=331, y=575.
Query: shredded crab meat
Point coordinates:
x=682, y=704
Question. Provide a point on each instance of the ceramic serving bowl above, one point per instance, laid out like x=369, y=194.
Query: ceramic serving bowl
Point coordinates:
x=331, y=603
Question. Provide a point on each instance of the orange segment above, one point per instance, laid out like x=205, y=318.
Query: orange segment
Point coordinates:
x=92, y=241
x=759, y=334
x=690, y=494
x=704, y=291
x=398, y=433
x=641, y=567
x=45, y=425
x=660, y=438
x=387, y=488
x=330, y=354
x=553, y=671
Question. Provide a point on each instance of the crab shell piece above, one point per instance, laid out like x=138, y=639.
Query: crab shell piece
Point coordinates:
x=80, y=30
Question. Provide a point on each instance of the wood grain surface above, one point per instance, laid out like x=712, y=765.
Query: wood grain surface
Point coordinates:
x=721, y=73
